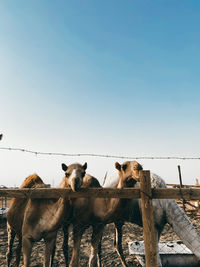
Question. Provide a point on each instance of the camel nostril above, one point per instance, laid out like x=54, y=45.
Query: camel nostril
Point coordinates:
x=75, y=185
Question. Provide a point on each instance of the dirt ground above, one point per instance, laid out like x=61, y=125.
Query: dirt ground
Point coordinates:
x=109, y=256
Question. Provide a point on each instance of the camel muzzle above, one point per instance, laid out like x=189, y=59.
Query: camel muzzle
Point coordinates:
x=75, y=185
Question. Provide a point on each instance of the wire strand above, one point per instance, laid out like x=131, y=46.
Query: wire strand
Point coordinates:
x=97, y=155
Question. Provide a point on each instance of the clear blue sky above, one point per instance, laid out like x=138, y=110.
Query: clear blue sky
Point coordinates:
x=111, y=77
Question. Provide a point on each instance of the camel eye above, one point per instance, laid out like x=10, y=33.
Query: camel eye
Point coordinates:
x=67, y=174
x=124, y=167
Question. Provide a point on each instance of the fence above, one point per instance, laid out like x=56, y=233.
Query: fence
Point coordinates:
x=146, y=193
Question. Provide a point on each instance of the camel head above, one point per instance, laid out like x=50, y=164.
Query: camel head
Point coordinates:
x=128, y=173
x=74, y=174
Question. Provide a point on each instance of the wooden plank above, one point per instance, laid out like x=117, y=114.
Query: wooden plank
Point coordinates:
x=58, y=192
x=176, y=193
x=150, y=243
x=161, y=193
x=184, y=186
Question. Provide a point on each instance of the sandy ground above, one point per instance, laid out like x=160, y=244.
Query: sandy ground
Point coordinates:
x=109, y=256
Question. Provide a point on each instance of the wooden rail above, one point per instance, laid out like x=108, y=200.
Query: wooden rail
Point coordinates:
x=161, y=193
x=184, y=185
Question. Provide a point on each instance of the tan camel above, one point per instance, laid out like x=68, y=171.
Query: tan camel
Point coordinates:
x=97, y=212
x=43, y=217
x=164, y=211
x=15, y=216
x=79, y=221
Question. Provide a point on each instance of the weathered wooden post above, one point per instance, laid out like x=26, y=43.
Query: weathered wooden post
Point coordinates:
x=150, y=243
x=181, y=184
x=197, y=201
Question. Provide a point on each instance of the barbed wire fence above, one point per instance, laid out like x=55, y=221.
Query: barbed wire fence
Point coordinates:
x=131, y=232
x=98, y=155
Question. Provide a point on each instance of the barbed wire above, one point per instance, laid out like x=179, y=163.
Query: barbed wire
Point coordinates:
x=97, y=155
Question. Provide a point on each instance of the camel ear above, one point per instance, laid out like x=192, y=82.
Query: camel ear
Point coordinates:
x=64, y=167
x=85, y=166
x=117, y=166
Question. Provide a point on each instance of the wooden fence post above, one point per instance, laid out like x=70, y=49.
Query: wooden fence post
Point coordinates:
x=150, y=242
x=181, y=185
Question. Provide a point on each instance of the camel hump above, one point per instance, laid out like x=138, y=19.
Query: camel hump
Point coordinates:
x=32, y=181
x=90, y=181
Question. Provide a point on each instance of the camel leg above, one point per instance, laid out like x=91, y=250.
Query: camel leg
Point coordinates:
x=118, y=243
x=50, y=244
x=96, y=237
x=100, y=253
x=77, y=235
x=53, y=254
x=18, y=251
x=11, y=238
x=65, y=243
x=27, y=245
x=158, y=233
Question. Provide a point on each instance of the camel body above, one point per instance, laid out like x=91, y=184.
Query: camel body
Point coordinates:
x=34, y=219
x=164, y=211
x=80, y=219
x=15, y=217
x=96, y=212
x=43, y=217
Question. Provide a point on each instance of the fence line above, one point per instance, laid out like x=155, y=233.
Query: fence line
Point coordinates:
x=97, y=155
x=146, y=193
x=157, y=193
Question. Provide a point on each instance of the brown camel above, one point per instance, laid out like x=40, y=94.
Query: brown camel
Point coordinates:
x=20, y=218
x=164, y=211
x=43, y=217
x=97, y=212
x=15, y=216
x=126, y=170
x=78, y=221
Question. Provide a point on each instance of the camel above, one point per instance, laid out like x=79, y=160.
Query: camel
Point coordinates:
x=41, y=218
x=97, y=212
x=78, y=220
x=15, y=216
x=165, y=211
